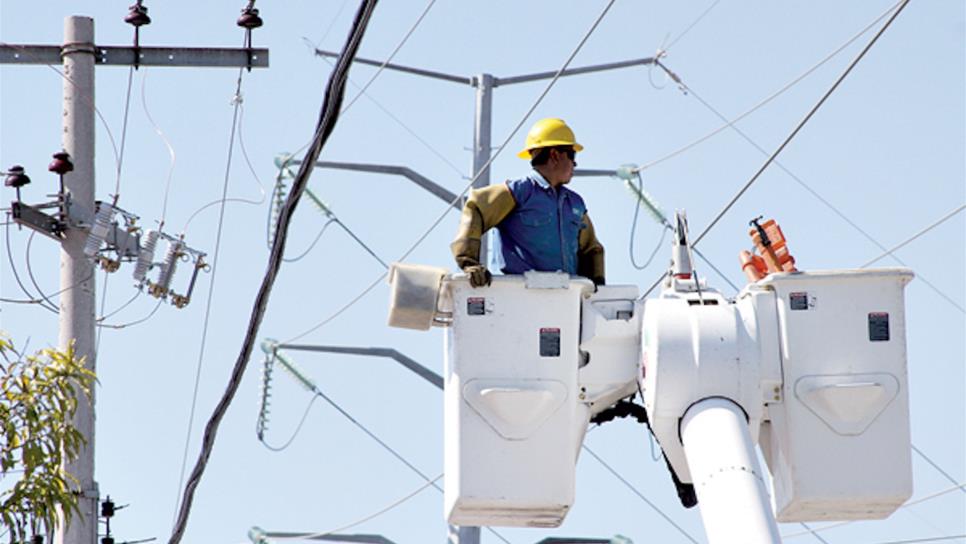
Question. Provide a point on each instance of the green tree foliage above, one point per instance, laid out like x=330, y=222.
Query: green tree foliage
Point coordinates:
x=39, y=395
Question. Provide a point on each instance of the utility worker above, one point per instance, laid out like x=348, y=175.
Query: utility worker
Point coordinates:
x=543, y=225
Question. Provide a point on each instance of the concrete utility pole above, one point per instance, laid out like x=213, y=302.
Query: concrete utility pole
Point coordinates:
x=79, y=55
x=77, y=305
x=483, y=120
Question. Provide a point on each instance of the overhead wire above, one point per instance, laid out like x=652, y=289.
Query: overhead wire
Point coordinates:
x=120, y=157
x=16, y=275
x=938, y=468
x=318, y=393
x=369, y=517
x=237, y=98
x=132, y=323
x=957, y=487
x=172, y=156
x=295, y=433
x=926, y=539
x=117, y=196
x=335, y=19
x=822, y=199
x=637, y=211
x=692, y=25
x=311, y=246
x=415, y=135
x=449, y=206
x=236, y=109
x=772, y=158
x=912, y=238
x=768, y=99
x=640, y=495
x=334, y=94
x=379, y=70
x=88, y=100
x=801, y=124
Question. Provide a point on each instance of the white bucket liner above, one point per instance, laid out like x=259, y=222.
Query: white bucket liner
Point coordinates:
x=413, y=295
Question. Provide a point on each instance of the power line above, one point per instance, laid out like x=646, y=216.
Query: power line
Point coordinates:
x=800, y=125
x=933, y=539
x=120, y=157
x=937, y=467
x=86, y=98
x=391, y=55
x=335, y=91
x=763, y=102
x=479, y=172
x=938, y=222
x=172, y=156
x=818, y=196
x=16, y=275
x=639, y=494
x=211, y=289
x=957, y=487
x=393, y=505
x=238, y=101
x=692, y=25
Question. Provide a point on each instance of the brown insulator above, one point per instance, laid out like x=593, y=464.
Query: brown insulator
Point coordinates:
x=61, y=163
x=137, y=16
x=16, y=177
x=249, y=18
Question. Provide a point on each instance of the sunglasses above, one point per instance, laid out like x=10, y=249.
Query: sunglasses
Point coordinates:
x=570, y=153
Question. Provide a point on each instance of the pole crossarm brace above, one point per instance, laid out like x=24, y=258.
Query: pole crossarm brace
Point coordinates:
x=497, y=81
x=400, y=68
x=589, y=172
x=209, y=57
x=436, y=189
x=369, y=539
x=390, y=353
x=526, y=78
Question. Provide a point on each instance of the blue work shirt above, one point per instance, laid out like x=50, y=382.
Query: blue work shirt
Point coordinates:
x=542, y=231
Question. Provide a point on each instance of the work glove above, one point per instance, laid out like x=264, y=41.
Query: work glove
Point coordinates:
x=478, y=275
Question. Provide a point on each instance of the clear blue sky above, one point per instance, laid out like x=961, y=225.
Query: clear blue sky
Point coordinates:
x=886, y=151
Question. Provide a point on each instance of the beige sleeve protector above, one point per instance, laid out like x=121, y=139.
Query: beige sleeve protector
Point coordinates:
x=590, y=254
x=484, y=209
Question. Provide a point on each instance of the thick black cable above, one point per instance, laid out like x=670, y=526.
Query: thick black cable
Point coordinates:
x=334, y=94
x=801, y=123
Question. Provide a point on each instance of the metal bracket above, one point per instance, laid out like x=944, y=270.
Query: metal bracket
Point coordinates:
x=31, y=217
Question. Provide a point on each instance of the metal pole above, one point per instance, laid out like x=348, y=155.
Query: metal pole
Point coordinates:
x=77, y=301
x=481, y=154
x=463, y=535
x=726, y=475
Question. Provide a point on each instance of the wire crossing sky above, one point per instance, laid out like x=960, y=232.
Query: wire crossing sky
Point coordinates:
x=877, y=174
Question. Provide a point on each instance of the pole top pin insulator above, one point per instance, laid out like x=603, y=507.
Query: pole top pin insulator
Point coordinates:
x=16, y=177
x=61, y=163
x=138, y=15
x=249, y=18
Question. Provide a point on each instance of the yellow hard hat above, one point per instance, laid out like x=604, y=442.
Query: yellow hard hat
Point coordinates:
x=549, y=133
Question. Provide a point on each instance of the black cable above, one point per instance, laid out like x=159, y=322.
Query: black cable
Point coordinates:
x=334, y=94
